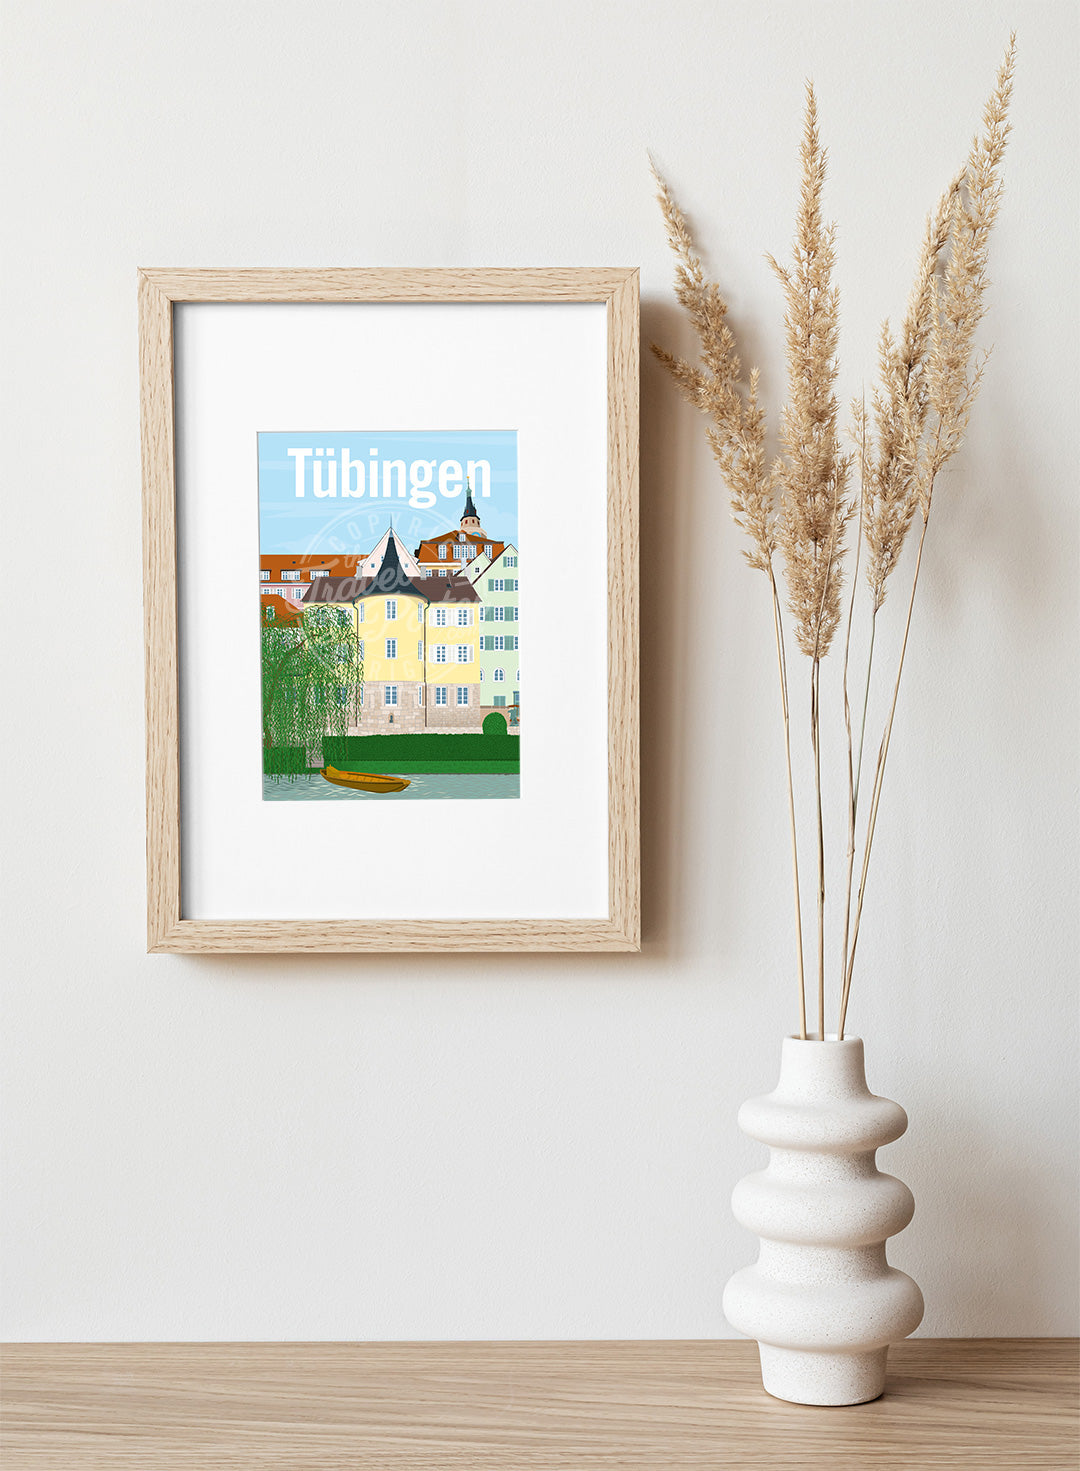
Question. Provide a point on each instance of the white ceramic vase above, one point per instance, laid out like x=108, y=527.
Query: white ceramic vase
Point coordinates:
x=821, y=1300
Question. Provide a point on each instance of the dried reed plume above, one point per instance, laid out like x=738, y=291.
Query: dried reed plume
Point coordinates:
x=957, y=306
x=812, y=473
x=736, y=430
x=736, y=434
x=888, y=494
x=799, y=505
x=900, y=406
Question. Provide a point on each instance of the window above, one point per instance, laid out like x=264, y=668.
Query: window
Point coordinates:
x=464, y=617
x=498, y=642
x=390, y=694
x=499, y=676
x=496, y=584
x=420, y=649
x=440, y=694
x=487, y=549
x=391, y=609
x=269, y=614
x=462, y=553
x=461, y=536
x=463, y=694
x=440, y=653
x=498, y=614
x=498, y=700
x=440, y=617
x=361, y=697
x=512, y=614
x=510, y=561
x=264, y=577
x=290, y=576
x=420, y=611
x=511, y=584
x=481, y=676
x=361, y=648
x=360, y=618
x=391, y=648
x=517, y=676
x=419, y=694
x=312, y=575
x=442, y=552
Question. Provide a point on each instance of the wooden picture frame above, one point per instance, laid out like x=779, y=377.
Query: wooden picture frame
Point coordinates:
x=168, y=930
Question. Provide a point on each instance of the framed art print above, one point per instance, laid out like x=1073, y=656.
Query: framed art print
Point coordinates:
x=420, y=732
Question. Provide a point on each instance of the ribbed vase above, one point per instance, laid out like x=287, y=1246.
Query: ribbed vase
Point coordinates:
x=821, y=1300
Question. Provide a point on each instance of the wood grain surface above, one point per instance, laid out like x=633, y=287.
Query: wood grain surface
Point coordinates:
x=167, y=928
x=954, y=1404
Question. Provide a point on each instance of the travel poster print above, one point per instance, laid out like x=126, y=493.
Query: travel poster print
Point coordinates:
x=389, y=615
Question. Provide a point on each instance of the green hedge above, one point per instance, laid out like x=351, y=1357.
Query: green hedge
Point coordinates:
x=421, y=747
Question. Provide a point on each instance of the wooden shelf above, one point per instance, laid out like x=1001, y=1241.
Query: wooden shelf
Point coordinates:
x=950, y=1404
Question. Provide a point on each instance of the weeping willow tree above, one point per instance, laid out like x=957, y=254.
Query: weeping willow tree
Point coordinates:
x=312, y=675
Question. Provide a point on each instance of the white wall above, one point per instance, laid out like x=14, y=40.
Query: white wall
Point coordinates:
x=524, y=1147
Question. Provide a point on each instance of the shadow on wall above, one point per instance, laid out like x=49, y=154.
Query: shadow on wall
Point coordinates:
x=991, y=1227
x=667, y=517
x=693, y=740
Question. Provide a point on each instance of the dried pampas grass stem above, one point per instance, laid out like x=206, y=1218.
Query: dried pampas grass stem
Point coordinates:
x=799, y=504
x=736, y=435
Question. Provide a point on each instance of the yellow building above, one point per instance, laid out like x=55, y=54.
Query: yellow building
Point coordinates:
x=452, y=668
x=419, y=646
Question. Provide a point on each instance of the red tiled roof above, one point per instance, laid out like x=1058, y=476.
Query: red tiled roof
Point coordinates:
x=343, y=565
x=428, y=550
x=280, y=609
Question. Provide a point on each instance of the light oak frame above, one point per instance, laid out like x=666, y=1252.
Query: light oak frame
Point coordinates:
x=167, y=930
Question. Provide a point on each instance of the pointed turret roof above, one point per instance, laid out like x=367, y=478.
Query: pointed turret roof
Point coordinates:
x=391, y=577
x=470, y=508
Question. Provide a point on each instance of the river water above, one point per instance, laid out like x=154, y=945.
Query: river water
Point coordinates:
x=423, y=787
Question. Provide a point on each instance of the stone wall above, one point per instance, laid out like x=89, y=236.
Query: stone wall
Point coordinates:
x=452, y=716
x=379, y=718
x=410, y=716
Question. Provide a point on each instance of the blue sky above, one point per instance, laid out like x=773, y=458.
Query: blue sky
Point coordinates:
x=335, y=524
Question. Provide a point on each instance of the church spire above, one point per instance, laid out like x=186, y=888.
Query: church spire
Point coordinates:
x=470, y=521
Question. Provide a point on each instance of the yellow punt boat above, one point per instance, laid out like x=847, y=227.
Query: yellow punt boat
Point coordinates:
x=363, y=781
